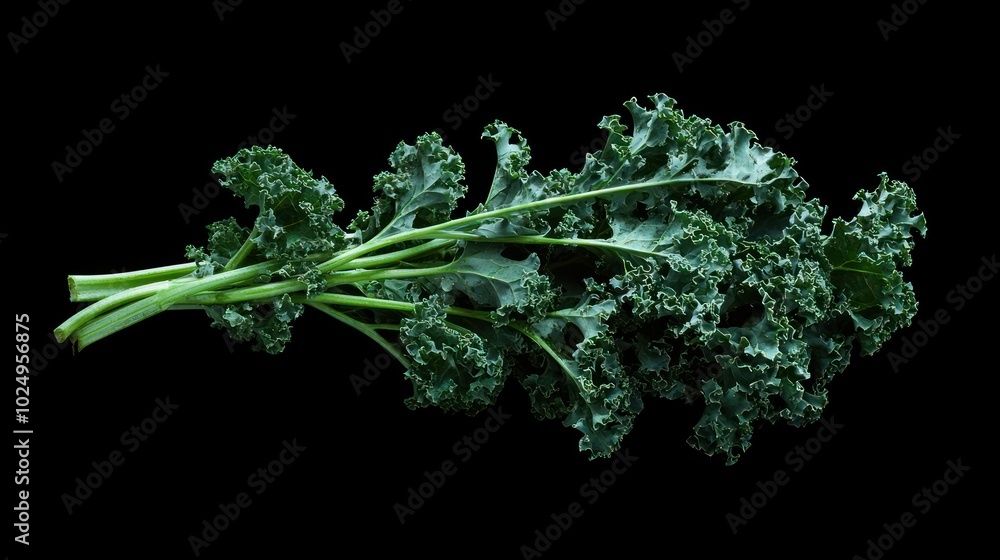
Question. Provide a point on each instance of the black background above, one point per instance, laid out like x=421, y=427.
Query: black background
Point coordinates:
x=119, y=210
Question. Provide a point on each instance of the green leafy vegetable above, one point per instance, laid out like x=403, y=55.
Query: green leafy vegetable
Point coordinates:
x=681, y=249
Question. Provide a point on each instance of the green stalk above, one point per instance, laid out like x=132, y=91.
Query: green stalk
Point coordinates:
x=551, y=352
x=433, y=231
x=350, y=277
x=396, y=257
x=93, y=330
x=375, y=303
x=244, y=251
x=275, y=289
x=116, y=291
x=567, y=372
x=392, y=305
x=543, y=240
x=92, y=287
x=91, y=312
x=364, y=328
x=251, y=293
x=112, y=291
x=529, y=207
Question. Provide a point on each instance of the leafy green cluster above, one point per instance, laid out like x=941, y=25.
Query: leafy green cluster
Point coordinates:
x=683, y=261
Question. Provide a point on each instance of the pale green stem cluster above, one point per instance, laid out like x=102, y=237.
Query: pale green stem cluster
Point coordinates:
x=124, y=299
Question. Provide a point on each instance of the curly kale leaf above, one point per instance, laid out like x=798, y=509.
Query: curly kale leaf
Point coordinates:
x=583, y=378
x=493, y=282
x=452, y=367
x=296, y=209
x=224, y=241
x=294, y=227
x=865, y=254
x=717, y=281
x=268, y=325
x=422, y=189
x=682, y=261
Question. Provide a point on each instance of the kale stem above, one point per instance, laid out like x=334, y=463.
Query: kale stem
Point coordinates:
x=452, y=226
x=392, y=305
x=364, y=328
x=244, y=251
x=113, y=291
x=93, y=287
x=529, y=207
x=84, y=329
x=543, y=240
x=274, y=289
x=551, y=352
x=567, y=372
x=395, y=257
x=91, y=312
